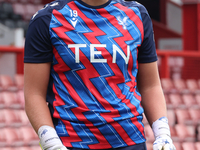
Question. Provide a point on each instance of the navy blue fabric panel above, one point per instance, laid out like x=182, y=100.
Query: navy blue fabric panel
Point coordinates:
x=38, y=47
x=141, y=146
x=147, y=51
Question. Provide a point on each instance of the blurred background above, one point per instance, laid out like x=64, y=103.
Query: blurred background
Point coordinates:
x=176, y=26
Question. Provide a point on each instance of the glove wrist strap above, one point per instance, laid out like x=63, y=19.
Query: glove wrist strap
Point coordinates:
x=161, y=127
x=48, y=137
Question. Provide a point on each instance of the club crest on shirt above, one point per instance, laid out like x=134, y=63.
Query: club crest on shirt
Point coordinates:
x=123, y=22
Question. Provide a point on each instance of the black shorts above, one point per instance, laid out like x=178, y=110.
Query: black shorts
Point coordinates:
x=141, y=146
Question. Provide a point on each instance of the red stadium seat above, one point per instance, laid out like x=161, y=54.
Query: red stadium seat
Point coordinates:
x=2, y=119
x=23, y=118
x=20, y=96
x=185, y=133
x=10, y=118
x=39, y=6
x=29, y=136
x=35, y=148
x=30, y=10
x=198, y=81
x=183, y=117
x=171, y=117
x=176, y=100
x=180, y=85
x=166, y=98
x=2, y=105
x=192, y=85
x=10, y=100
x=13, y=1
x=189, y=100
x=23, y=148
x=2, y=138
x=195, y=115
x=168, y=102
x=7, y=148
x=36, y=1
x=177, y=145
x=12, y=137
x=6, y=83
x=188, y=146
x=167, y=85
x=1, y=87
x=198, y=133
x=174, y=135
x=197, y=97
x=19, y=81
x=23, y=1
x=19, y=9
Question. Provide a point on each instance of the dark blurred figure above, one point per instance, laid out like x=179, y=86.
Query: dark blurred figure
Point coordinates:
x=153, y=7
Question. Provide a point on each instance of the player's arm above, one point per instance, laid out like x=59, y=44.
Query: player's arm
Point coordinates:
x=149, y=86
x=36, y=79
x=154, y=105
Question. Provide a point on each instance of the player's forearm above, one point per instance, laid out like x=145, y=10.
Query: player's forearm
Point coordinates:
x=36, y=78
x=153, y=102
x=149, y=86
x=38, y=112
x=40, y=118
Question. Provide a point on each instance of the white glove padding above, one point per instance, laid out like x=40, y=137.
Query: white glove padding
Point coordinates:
x=163, y=142
x=162, y=135
x=49, y=139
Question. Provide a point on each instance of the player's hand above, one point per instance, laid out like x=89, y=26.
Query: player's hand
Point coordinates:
x=163, y=143
x=162, y=135
x=49, y=139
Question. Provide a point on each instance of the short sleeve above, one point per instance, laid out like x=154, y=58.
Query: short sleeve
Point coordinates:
x=38, y=48
x=147, y=50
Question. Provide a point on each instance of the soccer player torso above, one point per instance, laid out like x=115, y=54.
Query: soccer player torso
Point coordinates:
x=95, y=103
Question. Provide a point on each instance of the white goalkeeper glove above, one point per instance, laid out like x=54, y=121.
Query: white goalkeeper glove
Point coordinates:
x=49, y=139
x=162, y=135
